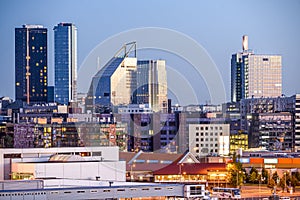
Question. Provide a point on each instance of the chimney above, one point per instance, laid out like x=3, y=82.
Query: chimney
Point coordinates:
x=245, y=42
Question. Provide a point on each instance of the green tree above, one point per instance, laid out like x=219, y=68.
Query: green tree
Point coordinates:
x=8, y=141
x=236, y=173
x=297, y=175
x=294, y=182
x=282, y=183
x=272, y=183
x=253, y=177
x=275, y=176
x=265, y=175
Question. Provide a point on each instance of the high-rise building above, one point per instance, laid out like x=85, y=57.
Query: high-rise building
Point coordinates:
x=124, y=80
x=31, y=63
x=65, y=48
x=152, y=85
x=255, y=75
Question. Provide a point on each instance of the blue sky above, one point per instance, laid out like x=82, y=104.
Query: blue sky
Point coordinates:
x=273, y=27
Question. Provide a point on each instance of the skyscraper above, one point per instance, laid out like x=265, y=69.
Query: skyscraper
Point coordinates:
x=125, y=80
x=255, y=75
x=152, y=84
x=31, y=63
x=65, y=48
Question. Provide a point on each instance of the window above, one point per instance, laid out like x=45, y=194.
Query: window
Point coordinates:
x=206, y=134
x=201, y=139
x=206, y=128
x=197, y=128
x=197, y=139
x=197, y=134
x=201, y=128
x=211, y=134
x=221, y=133
x=201, y=134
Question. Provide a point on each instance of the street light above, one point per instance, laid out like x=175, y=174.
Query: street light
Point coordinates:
x=237, y=179
x=131, y=173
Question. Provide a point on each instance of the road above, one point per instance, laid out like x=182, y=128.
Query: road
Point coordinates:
x=258, y=192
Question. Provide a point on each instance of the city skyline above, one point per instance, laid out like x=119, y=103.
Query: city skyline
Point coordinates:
x=220, y=38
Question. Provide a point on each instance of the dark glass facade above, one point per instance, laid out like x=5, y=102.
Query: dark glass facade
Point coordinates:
x=65, y=47
x=31, y=44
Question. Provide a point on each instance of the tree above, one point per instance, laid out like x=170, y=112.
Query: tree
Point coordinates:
x=272, y=183
x=265, y=176
x=297, y=175
x=253, y=175
x=294, y=182
x=282, y=183
x=235, y=171
x=275, y=177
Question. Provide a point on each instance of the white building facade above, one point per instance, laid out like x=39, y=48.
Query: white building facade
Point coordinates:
x=209, y=139
x=74, y=162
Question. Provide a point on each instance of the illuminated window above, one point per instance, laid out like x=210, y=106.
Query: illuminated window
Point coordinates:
x=17, y=83
x=33, y=90
x=33, y=47
x=41, y=48
x=32, y=37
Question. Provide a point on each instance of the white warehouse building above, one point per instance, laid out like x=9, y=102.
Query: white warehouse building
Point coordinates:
x=85, y=163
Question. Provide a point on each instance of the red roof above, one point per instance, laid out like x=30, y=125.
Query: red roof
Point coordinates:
x=190, y=168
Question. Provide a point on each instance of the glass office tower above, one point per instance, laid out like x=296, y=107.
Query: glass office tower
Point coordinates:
x=65, y=58
x=152, y=84
x=31, y=64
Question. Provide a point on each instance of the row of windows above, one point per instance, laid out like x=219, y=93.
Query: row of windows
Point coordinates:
x=206, y=134
x=211, y=128
x=23, y=194
x=206, y=139
x=211, y=151
x=206, y=145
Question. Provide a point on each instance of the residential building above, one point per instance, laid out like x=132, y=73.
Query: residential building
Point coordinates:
x=65, y=59
x=254, y=75
x=31, y=69
x=209, y=139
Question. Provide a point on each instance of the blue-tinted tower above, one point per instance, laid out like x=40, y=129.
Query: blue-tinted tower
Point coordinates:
x=65, y=58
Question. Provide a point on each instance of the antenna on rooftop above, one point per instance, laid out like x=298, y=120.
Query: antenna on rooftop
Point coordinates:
x=126, y=49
